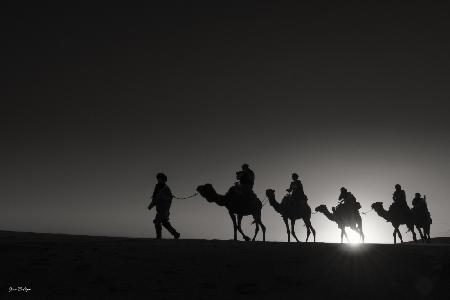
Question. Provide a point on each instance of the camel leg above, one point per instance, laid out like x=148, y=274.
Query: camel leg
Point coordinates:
x=263, y=228
x=397, y=232
x=427, y=233
x=413, y=233
x=293, y=230
x=361, y=234
x=258, y=222
x=360, y=231
x=314, y=233
x=239, y=219
x=256, y=231
x=400, y=235
x=309, y=228
x=308, y=233
x=233, y=218
x=346, y=236
x=287, y=229
x=420, y=233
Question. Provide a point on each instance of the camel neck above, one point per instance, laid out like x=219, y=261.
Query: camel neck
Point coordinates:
x=328, y=214
x=383, y=213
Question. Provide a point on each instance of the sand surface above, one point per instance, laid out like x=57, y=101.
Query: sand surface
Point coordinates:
x=83, y=267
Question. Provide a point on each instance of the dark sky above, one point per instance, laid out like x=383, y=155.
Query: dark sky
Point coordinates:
x=96, y=100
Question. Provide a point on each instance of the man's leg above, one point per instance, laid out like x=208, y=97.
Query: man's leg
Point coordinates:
x=158, y=227
x=170, y=228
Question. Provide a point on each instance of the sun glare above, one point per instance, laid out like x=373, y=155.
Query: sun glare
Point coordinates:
x=354, y=244
x=353, y=238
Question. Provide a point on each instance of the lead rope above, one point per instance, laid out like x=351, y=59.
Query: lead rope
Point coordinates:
x=181, y=198
x=365, y=213
x=265, y=202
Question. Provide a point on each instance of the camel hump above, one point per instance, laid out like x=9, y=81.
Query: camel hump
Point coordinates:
x=400, y=212
x=244, y=199
x=421, y=214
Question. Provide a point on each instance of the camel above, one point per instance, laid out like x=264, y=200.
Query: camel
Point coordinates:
x=423, y=222
x=238, y=206
x=397, y=219
x=292, y=210
x=343, y=219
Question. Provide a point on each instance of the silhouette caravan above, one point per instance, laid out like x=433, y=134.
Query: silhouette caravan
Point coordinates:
x=162, y=199
x=240, y=201
x=346, y=214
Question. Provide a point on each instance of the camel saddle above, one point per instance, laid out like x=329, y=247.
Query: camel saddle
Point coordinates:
x=295, y=203
x=400, y=211
x=343, y=210
x=245, y=197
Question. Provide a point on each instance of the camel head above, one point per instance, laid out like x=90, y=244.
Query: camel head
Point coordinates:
x=377, y=206
x=206, y=191
x=321, y=208
x=379, y=209
x=270, y=193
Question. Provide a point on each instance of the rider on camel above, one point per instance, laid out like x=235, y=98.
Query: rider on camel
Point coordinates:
x=246, y=180
x=420, y=204
x=399, y=196
x=296, y=188
x=347, y=200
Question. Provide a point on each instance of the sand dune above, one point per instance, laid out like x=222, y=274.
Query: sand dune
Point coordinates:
x=83, y=267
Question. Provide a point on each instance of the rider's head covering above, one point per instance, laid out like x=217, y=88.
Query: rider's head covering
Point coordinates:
x=398, y=186
x=294, y=175
x=161, y=176
x=418, y=195
x=245, y=166
x=342, y=195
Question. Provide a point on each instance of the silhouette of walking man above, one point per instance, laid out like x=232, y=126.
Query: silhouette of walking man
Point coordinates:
x=162, y=199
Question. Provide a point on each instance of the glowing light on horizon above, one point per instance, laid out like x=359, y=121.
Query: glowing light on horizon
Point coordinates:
x=353, y=237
